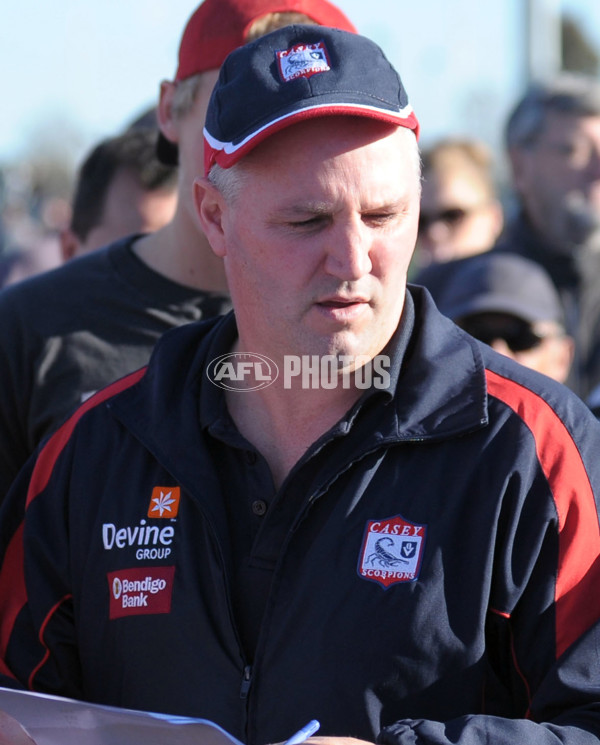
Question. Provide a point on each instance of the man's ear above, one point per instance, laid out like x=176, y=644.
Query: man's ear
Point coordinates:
x=164, y=111
x=210, y=209
x=519, y=163
x=69, y=244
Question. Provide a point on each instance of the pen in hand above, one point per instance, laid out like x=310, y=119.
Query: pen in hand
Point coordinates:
x=303, y=734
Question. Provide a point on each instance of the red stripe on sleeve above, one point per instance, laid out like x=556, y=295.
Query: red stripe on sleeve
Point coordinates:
x=578, y=574
x=46, y=657
x=49, y=455
x=13, y=590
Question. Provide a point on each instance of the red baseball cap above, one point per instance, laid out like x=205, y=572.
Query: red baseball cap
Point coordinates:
x=217, y=27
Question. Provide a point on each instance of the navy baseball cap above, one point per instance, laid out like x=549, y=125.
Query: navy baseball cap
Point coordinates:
x=497, y=282
x=296, y=73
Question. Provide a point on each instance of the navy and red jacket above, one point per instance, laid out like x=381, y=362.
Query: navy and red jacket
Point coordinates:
x=439, y=583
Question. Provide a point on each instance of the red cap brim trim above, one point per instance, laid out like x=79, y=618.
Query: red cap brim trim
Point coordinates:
x=227, y=154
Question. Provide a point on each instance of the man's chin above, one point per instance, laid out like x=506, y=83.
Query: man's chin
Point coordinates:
x=581, y=224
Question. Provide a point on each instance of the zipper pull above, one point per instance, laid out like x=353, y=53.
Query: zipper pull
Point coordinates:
x=246, y=681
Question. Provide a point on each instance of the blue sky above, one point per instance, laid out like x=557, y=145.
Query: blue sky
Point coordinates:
x=79, y=71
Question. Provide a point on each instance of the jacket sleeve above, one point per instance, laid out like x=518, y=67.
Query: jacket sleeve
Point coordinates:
x=38, y=649
x=543, y=626
x=16, y=380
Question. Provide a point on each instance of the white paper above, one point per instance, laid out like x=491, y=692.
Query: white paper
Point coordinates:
x=53, y=720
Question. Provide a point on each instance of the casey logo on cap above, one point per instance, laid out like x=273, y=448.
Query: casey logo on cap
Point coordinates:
x=303, y=60
x=296, y=73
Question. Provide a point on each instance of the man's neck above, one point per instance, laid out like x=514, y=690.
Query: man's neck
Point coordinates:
x=181, y=252
x=283, y=423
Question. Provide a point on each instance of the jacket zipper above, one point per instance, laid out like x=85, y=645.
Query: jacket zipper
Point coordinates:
x=246, y=680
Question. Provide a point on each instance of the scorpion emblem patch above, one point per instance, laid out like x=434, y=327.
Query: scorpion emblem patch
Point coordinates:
x=302, y=61
x=391, y=551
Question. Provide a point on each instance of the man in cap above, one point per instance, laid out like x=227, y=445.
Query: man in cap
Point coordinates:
x=334, y=503
x=68, y=333
x=553, y=142
x=511, y=304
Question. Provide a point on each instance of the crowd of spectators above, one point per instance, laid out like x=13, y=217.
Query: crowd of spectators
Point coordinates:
x=191, y=212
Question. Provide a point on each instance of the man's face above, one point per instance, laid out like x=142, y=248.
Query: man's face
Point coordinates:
x=458, y=218
x=318, y=241
x=559, y=180
x=128, y=209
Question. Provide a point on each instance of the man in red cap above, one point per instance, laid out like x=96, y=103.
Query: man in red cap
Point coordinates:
x=103, y=313
x=332, y=504
x=180, y=251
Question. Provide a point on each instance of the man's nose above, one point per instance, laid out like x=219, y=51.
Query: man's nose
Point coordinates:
x=593, y=166
x=349, y=251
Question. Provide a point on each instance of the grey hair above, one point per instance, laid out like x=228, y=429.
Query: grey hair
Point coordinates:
x=230, y=181
x=415, y=154
x=567, y=94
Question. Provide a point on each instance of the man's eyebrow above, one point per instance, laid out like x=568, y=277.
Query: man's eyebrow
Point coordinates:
x=326, y=208
x=310, y=208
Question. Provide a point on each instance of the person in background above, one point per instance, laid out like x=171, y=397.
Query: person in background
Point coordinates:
x=460, y=212
x=461, y=215
x=553, y=141
x=21, y=263
x=69, y=332
x=511, y=304
x=396, y=536
x=121, y=189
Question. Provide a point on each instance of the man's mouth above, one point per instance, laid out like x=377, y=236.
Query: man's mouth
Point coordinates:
x=341, y=302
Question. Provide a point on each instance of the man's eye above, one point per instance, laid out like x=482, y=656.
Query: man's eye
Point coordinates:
x=379, y=218
x=309, y=222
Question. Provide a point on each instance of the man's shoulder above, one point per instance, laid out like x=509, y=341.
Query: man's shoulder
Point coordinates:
x=471, y=367
x=109, y=293
x=534, y=397
x=160, y=393
x=64, y=285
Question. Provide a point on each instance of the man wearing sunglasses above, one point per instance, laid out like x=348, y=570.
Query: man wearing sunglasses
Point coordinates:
x=460, y=211
x=553, y=141
x=511, y=304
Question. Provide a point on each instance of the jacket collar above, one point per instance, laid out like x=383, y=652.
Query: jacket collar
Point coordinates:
x=438, y=386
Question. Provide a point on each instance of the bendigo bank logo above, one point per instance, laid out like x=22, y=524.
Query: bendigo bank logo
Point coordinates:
x=140, y=591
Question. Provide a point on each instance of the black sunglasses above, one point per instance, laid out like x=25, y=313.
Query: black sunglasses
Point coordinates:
x=518, y=334
x=452, y=216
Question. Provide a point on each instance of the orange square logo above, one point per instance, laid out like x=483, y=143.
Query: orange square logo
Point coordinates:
x=164, y=502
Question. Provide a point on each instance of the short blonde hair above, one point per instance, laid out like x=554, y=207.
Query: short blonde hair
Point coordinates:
x=187, y=90
x=465, y=156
